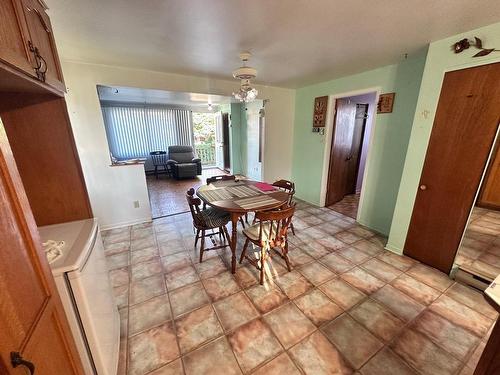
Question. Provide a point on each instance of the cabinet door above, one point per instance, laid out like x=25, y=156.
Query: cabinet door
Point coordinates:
x=13, y=44
x=43, y=45
x=32, y=320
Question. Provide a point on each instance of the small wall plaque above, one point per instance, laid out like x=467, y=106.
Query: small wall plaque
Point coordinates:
x=319, y=115
x=385, y=102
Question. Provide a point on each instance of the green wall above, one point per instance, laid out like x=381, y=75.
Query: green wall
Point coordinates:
x=390, y=138
x=440, y=59
x=238, y=128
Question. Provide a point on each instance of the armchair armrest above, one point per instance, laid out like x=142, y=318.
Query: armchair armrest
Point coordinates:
x=196, y=160
x=170, y=161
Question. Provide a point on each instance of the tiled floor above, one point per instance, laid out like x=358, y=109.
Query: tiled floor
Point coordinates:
x=347, y=206
x=347, y=307
x=167, y=195
x=479, y=252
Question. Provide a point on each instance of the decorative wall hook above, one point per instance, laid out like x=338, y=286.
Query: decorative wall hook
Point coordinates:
x=465, y=43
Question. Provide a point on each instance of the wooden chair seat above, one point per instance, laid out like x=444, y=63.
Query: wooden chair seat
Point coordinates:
x=253, y=232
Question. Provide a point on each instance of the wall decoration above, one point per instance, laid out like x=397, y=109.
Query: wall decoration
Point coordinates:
x=465, y=43
x=319, y=115
x=385, y=102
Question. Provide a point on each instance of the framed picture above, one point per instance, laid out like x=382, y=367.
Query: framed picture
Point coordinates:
x=385, y=102
x=319, y=114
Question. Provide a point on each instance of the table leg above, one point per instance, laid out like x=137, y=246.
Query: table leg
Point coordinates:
x=234, y=234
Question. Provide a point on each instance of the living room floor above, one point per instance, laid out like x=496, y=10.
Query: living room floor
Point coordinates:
x=167, y=196
x=347, y=206
x=348, y=305
x=479, y=252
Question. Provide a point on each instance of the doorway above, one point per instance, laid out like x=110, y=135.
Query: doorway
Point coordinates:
x=352, y=125
x=222, y=149
x=462, y=138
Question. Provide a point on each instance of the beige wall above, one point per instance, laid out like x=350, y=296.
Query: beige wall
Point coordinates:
x=113, y=190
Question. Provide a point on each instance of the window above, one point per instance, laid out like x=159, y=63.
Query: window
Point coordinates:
x=135, y=131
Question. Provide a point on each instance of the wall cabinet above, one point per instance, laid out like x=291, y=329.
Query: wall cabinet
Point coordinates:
x=27, y=44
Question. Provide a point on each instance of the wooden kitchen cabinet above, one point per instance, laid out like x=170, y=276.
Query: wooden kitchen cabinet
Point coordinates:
x=27, y=46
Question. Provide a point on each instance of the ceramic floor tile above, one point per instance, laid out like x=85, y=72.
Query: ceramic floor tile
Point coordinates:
x=235, y=310
x=289, y=324
x=399, y=261
x=142, y=243
x=331, y=243
x=353, y=255
x=356, y=343
x=188, y=298
x=316, y=273
x=116, y=248
x=348, y=237
x=293, y=284
x=173, y=262
x=317, y=356
x=377, y=319
x=173, y=368
x=314, y=249
x=425, y=356
x=266, y=297
x=210, y=267
x=145, y=269
x=117, y=261
x=462, y=315
x=431, y=277
x=121, y=294
x=453, y=339
x=385, y=362
x=381, y=270
x=171, y=247
x=181, y=277
x=368, y=247
x=362, y=280
x=399, y=303
x=197, y=327
x=253, y=343
x=471, y=298
x=336, y=263
x=298, y=257
x=343, y=294
x=148, y=314
x=317, y=307
x=220, y=286
x=474, y=358
x=415, y=289
x=280, y=365
x=362, y=231
x=145, y=289
x=119, y=277
x=143, y=255
x=201, y=361
x=152, y=349
x=246, y=276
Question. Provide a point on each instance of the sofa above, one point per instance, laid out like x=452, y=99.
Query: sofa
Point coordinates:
x=183, y=162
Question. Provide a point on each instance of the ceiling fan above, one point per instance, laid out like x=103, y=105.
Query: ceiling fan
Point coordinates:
x=245, y=73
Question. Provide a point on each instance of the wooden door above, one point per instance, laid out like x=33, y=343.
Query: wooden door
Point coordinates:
x=463, y=133
x=13, y=44
x=489, y=197
x=357, y=143
x=42, y=38
x=32, y=321
x=340, y=153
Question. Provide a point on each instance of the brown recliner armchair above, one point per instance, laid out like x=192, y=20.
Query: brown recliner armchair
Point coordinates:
x=183, y=162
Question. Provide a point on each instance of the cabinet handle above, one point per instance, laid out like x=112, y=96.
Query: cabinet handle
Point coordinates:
x=40, y=17
x=17, y=360
x=41, y=64
x=423, y=187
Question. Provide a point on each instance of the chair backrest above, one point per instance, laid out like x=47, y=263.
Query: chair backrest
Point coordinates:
x=194, y=205
x=277, y=221
x=286, y=186
x=224, y=177
x=181, y=154
x=159, y=157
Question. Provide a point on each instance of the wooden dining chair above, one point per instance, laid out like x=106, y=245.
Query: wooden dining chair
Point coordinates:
x=226, y=177
x=205, y=221
x=270, y=232
x=288, y=187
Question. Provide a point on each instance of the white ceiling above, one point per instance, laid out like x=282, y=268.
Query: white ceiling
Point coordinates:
x=294, y=42
x=138, y=95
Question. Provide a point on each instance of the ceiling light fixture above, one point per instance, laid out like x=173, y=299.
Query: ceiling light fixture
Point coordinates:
x=245, y=73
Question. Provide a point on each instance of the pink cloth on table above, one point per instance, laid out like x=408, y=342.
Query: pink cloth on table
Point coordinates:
x=264, y=186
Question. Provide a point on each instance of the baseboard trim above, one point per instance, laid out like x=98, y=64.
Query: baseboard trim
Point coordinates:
x=394, y=249
x=126, y=223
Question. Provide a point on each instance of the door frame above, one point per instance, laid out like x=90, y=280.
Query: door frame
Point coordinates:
x=328, y=138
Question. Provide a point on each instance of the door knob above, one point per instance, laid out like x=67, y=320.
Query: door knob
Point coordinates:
x=423, y=187
x=17, y=360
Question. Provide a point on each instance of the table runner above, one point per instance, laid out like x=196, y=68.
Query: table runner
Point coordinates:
x=258, y=201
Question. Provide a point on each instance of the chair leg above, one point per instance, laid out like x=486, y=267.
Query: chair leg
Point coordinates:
x=263, y=252
x=246, y=218
x=197, y=237
x=227, y=235
x=292, y=228
x=285, y=255
x=202, y=248
x=242, y=222
x=244, y=250
x=156, y=172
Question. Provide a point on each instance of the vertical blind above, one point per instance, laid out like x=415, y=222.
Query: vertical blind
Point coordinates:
x=135, y=131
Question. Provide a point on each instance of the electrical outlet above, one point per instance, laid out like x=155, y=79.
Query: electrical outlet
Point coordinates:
x=136, y=204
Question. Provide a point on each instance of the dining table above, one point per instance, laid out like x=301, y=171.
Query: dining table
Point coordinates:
x=239, y=197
